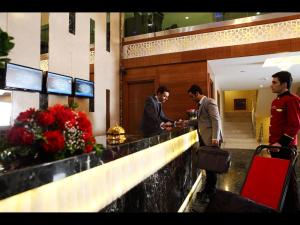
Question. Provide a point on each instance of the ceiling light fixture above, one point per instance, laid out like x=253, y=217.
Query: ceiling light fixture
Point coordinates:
x=187, y=17
x=283, y=63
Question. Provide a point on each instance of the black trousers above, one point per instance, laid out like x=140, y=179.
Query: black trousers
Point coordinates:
x=291, y=203
x=211, y=177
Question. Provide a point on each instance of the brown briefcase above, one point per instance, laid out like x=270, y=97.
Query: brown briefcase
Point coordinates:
x=214, y=159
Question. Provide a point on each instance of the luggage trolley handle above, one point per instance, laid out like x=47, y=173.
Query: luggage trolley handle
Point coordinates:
x=293, y=155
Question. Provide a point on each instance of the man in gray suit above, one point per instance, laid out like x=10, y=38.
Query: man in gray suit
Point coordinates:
x=154, y=121
x=209, y=131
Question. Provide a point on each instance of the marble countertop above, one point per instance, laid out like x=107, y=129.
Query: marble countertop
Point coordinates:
x=20, y=180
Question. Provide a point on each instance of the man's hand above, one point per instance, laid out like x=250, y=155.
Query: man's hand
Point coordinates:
x=167, y=126
x=182, y=123
x=215, y=142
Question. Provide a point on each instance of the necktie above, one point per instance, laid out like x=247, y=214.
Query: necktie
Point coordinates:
x=159, y=108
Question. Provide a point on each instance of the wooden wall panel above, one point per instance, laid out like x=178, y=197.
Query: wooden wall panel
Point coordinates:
x=177, y=77
x=131, y=79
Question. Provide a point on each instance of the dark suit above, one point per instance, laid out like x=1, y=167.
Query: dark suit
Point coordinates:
x=153, y=116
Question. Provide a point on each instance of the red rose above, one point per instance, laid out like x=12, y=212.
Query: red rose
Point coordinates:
x=23, y=116
x=62, y=115
x=54, y=141
x=19, y=136
x=86, y=136
x=84, y=123
x=90, y=141
x=56, y=109
x=45, y=118
x=88, y=148
x=65, y=115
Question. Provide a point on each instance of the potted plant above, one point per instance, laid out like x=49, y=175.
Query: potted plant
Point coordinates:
x=6, y=45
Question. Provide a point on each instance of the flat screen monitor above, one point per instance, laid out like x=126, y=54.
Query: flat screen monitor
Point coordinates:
x=83, y=88
x=18, y=77
x=58, y=84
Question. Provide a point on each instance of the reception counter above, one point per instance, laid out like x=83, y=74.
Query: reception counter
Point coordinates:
x=142, y=174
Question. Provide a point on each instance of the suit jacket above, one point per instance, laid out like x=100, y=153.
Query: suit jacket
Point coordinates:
x=153, y=116
x=208, y=121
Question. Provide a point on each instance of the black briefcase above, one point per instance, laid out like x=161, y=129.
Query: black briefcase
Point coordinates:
x=228, y=202
x=214, y=159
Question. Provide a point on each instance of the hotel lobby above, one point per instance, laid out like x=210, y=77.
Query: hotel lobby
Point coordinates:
x=73, y=87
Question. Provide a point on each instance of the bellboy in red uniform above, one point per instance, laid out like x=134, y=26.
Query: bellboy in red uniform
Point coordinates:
x=284, y=127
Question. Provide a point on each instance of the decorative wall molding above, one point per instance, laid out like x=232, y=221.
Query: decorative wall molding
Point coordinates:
x=238, y=36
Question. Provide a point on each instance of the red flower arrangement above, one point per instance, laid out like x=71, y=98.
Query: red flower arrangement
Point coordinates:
x=191, y=113
x=55, y=133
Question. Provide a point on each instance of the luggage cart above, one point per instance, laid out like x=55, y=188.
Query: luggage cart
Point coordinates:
x=264, y=188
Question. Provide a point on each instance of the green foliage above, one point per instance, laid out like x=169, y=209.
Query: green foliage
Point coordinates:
x=6, y=45
x=73, y=105
x=10, y=154
x=98, y=148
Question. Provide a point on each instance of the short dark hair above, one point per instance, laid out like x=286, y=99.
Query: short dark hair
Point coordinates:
x=162, y=89
x=194, y=89
x=284, y=77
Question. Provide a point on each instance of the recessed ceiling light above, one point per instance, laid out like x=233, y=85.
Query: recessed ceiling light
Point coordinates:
x=261, y=86
x=257, y=13
x=187, y=17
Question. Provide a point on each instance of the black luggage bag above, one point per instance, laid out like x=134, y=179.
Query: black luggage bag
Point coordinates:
x=214, y=159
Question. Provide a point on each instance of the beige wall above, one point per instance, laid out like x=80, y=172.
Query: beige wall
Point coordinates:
x=216, y=89
x=69, y=55
x=25, y=28
x=264, y=101
x=3, y=20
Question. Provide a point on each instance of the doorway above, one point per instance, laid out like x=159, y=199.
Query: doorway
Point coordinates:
x=137, y=94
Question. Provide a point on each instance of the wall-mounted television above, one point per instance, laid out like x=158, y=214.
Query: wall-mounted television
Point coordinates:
x=19, y=77
x=83, y=88
x=58, y=84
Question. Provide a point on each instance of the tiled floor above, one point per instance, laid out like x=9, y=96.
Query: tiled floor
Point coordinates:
x=233, y=180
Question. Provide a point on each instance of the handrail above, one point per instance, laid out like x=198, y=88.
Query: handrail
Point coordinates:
x=253, y=120
x=261, y=134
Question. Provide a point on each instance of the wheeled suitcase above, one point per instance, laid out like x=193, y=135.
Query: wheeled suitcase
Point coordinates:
x=264, y=188
x=214, y=159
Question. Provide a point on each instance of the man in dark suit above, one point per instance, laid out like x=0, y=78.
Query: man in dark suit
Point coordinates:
x=154, y=121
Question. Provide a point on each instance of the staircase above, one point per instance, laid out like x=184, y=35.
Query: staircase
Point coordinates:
x=238, y=131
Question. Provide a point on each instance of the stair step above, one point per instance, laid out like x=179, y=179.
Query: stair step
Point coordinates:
x=239, y=140
x=238, y=131
x=237, y=114
x=240, y=145
x=233, y=120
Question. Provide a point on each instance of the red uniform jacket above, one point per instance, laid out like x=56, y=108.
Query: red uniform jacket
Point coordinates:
x=285, y=119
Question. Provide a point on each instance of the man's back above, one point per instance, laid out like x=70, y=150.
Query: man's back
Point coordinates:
x=209, y=122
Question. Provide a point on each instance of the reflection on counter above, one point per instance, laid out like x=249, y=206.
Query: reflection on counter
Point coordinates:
x=16, y=181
